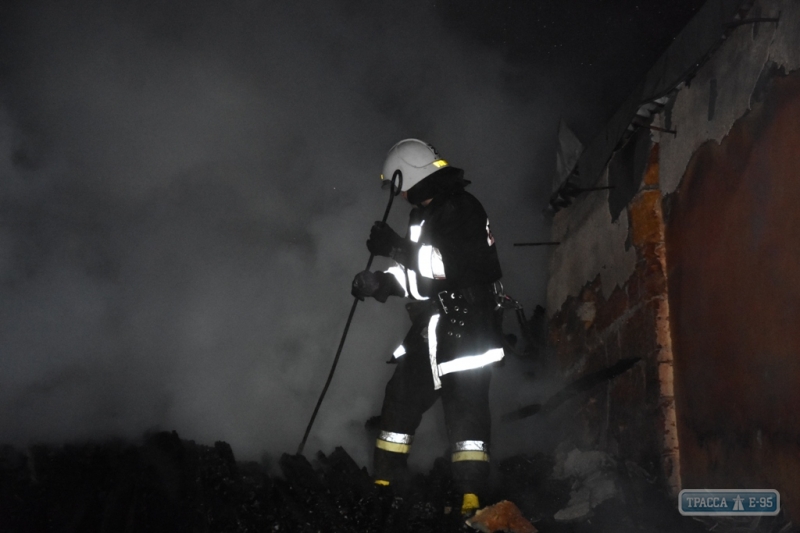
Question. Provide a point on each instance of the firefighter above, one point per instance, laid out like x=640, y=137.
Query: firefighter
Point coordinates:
x=447, y=263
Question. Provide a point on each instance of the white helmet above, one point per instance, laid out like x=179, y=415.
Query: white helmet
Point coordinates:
x=415, y=159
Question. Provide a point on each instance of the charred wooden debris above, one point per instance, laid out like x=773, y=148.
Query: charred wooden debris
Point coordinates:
x=166, y=484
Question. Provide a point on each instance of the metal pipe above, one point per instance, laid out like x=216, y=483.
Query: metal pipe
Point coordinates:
x=395, y=190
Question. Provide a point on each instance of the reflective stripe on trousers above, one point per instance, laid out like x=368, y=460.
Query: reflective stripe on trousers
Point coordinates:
x=470, y=450
x=394, y=442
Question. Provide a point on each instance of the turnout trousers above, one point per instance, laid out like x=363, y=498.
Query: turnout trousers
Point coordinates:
x=465, y=398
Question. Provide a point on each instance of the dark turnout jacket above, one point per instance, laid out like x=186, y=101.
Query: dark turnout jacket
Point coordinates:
x=450, y=262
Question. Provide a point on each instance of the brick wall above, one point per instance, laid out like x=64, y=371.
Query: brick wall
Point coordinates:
x=633, y=415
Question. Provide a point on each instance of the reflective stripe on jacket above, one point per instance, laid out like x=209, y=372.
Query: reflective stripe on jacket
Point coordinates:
x=452, y=262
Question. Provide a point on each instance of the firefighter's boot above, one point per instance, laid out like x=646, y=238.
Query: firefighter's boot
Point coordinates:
x=469, y=505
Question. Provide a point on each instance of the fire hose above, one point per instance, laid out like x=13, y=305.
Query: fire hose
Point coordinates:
x=396, y=184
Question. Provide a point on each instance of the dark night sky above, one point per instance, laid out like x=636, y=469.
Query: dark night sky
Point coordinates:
x=186, y=188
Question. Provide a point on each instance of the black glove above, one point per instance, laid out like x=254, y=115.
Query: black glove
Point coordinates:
x=384, y=241
x=365, y=284
x=379, y=285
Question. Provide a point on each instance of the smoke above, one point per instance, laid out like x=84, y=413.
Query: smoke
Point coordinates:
x=186, y=191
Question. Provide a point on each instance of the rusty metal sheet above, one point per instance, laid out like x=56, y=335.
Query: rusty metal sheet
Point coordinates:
x=733, y=244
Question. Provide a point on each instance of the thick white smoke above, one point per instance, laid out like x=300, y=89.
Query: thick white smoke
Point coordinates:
x=186, y=192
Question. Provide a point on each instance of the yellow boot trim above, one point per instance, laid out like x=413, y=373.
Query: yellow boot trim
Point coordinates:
x=392, y=446
x=469, y=456
x=470, y=503
x=394, y=442
x=382, y=482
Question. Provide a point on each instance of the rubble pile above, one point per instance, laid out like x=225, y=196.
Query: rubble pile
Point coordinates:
x=166, y=484
x=171, y=485
x=502, y=516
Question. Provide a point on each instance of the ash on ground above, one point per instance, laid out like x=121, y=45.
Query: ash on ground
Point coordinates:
x=166, y=484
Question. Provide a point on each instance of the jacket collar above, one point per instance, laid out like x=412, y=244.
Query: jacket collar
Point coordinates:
x=438, y=186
